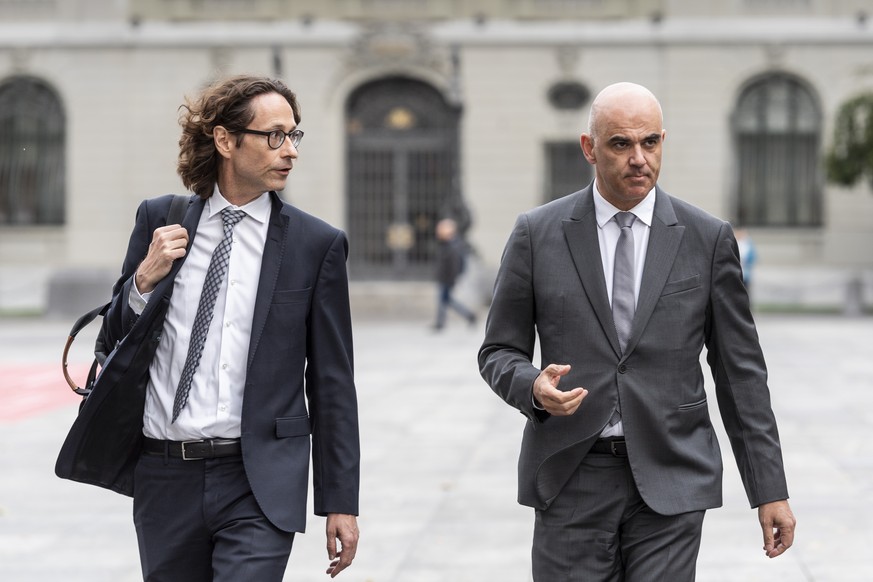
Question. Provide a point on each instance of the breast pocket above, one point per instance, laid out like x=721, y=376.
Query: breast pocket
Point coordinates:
x=292, y=296
x=673, y=287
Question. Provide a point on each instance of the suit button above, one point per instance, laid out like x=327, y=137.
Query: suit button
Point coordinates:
x=622, y=368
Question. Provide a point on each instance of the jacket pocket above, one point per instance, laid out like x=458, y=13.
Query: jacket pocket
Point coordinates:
x=292, y=426
x=693, y=405
x=681, y=285
x=292, y=296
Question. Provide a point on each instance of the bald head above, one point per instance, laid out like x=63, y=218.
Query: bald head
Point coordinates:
x=622, y=96
x=623, y=143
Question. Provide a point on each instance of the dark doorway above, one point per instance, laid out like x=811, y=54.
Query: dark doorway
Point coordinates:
x=402, y=176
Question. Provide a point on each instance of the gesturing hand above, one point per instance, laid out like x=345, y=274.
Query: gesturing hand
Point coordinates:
x=557, y=402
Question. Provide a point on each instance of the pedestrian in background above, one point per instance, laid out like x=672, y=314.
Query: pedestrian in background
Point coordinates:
x=748, y=255
x=623, y=285
x=234, y=354
x=450, y=264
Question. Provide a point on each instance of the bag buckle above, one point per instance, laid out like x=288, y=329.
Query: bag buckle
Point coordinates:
x=185, y=456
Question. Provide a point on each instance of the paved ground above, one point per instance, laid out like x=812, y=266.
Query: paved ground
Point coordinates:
x=439, y=450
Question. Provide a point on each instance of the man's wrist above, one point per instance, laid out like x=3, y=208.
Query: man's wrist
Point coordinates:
x=136, y=299
x=140, y=284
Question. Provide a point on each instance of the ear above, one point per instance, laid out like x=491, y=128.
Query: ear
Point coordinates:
x=223, y=140
x=587, y=144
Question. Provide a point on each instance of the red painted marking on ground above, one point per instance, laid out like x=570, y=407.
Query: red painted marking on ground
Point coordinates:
x=30, y=389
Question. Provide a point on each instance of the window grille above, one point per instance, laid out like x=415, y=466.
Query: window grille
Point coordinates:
x=777, y=135
x=567, y=170
x=32, y=160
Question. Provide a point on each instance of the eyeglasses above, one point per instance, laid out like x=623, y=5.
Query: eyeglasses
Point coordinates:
x=276, y=138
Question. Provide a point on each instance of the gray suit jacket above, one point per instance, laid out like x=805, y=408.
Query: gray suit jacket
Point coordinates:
x=551, y=285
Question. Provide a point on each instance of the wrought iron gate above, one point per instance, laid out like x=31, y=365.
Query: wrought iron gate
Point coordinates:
x=402, y=177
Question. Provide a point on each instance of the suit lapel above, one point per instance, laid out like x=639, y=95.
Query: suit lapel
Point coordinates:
x=664, y=239
x=580, y=230
x=274, y=251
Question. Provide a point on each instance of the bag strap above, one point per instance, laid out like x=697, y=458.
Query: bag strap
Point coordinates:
x=177, y=209
x=80, y=324
x=176, y=214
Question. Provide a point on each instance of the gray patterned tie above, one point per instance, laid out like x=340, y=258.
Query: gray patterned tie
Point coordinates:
x=214, y=278
x=623, y=302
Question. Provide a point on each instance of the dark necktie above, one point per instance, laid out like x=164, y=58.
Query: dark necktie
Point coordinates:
x=214, y=278
x=623, y=302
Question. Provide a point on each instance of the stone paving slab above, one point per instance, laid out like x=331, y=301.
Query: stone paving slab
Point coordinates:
x=439, y=453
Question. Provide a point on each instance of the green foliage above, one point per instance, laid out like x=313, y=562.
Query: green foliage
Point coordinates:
x=851, y=155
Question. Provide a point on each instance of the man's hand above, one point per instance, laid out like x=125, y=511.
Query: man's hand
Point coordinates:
x=168, y=244
x=344, y=528
x=776, y=516
x=557, y=402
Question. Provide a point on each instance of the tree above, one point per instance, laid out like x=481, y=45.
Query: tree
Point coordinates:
x=851, y=156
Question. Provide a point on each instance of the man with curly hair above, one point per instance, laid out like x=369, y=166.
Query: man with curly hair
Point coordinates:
x=233, y=361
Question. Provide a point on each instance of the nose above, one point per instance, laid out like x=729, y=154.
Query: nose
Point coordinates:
x=637, y=158
x=288, y=149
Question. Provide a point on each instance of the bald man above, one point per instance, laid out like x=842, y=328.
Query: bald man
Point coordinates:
x=624, y=285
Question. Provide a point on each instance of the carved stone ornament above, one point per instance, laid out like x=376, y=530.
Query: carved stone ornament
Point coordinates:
x=568, y=95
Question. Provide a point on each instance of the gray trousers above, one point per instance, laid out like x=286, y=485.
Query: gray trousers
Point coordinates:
x=598, y=529
x=198, y=521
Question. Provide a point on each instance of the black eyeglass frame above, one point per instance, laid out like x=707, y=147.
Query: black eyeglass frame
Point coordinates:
x=295, y=135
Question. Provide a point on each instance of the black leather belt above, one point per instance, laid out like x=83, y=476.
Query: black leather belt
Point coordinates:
x=614, y=447
x=193, y=450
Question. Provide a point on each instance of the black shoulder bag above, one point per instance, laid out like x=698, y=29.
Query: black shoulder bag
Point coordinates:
x=101, y=350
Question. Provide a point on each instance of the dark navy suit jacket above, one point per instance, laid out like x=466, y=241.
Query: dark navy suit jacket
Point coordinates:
x=299, y=396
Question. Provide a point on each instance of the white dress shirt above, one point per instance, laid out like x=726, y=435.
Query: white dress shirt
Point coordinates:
x=214, y=405
x=608, y=232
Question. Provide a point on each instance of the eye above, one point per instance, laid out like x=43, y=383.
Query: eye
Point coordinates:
x=296, y=135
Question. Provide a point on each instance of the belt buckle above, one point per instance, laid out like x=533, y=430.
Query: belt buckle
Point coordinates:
x=185, y=456
x=615, y=452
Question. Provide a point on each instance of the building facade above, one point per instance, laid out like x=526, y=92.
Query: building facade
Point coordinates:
x=418, y=109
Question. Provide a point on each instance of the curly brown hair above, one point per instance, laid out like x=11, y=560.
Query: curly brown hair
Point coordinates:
x=226, y=103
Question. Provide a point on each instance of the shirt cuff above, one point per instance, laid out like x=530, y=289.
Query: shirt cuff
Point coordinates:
x=136, y=300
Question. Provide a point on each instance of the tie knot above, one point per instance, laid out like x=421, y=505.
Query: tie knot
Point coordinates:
x=625, y=219
x=232, y=216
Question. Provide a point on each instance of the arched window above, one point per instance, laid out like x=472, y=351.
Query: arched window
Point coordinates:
x=777, y=135
x=32, y=164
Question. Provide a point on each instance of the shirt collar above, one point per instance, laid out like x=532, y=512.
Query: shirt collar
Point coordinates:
x=604, y=211
x=258, y=209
